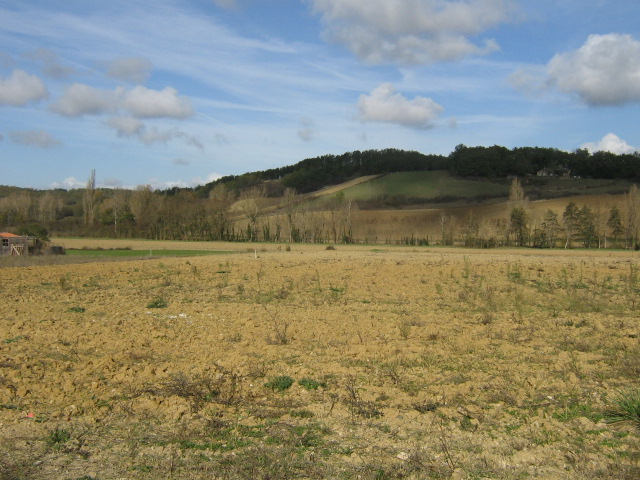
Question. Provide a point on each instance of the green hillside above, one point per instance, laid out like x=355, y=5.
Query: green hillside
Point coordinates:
x=419, y=186
x=439, y=187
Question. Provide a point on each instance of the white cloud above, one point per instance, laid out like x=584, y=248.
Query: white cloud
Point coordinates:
x=126, y=126
x=21, y=88
x=79, y=99
x=140, y=102
x=412, y=31
x=610, y=143
x=194, y=182
x=384, y=104
x=604, y=71
x=34, y=138
x=69, y=183
x=133, y=70
x=144, y=102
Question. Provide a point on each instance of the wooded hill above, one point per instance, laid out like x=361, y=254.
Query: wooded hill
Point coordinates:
x=294, y=203
x=479, y=162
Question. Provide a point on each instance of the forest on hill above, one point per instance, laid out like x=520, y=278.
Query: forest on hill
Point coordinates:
x=478, y=162
x=276, y=205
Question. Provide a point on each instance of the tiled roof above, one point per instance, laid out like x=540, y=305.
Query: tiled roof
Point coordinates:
x=8, y=235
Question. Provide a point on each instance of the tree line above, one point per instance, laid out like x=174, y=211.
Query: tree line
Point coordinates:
x=271, y=205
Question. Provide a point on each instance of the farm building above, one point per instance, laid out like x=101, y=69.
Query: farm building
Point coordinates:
x=13, y=244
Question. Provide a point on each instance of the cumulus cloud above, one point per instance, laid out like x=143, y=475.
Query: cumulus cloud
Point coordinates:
x=604, y=71
x=610, y=143
x=384, y=104
x=126, y=126
x=79, y=99
x=144, y=102
x=34, y=138
x=21, y=88
x=133, y=70
x=140, y=102
x=412, y=31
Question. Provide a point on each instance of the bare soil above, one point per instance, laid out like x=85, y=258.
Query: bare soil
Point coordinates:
x=313, y=363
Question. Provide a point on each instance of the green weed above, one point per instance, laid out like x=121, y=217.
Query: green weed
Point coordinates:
x=157, y=303
x=625, y=408
x=57, y=438
x=280, y=383
x=311, y=384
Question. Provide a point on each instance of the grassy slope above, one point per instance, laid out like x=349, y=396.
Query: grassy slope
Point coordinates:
x=428, y=186
x=425, y=185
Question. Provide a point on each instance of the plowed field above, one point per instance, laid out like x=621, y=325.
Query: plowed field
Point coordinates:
x=314, y=363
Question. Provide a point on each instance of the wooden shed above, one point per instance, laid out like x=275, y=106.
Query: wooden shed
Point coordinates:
x=13, y=244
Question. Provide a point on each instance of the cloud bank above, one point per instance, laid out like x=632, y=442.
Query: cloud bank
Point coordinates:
x=384, y=104
x=412, y=31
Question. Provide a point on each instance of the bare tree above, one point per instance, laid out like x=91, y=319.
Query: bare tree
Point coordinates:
x=252, y=205
x=517, y=198
x=49, y=206
x=140, y=205
x=88, y=199
x=633, y=215
x=220, y=201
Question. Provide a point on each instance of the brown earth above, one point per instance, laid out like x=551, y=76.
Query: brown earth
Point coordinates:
x=406, y=363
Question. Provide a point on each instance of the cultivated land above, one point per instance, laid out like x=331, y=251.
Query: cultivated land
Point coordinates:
x=358, y=362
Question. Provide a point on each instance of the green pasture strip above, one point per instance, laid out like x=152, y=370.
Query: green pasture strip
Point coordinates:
x=141, y=253
x=425, y=185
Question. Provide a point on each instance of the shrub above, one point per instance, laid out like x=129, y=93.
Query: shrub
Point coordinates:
x=311, y=384
x=280, y=383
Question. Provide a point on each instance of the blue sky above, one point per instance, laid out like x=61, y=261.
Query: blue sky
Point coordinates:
x=180, y=92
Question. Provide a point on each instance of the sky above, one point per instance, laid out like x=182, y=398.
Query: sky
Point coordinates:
x=180, y=92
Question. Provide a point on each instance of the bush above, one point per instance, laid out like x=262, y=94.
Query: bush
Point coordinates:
x=310, y=384
x=280, y=383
